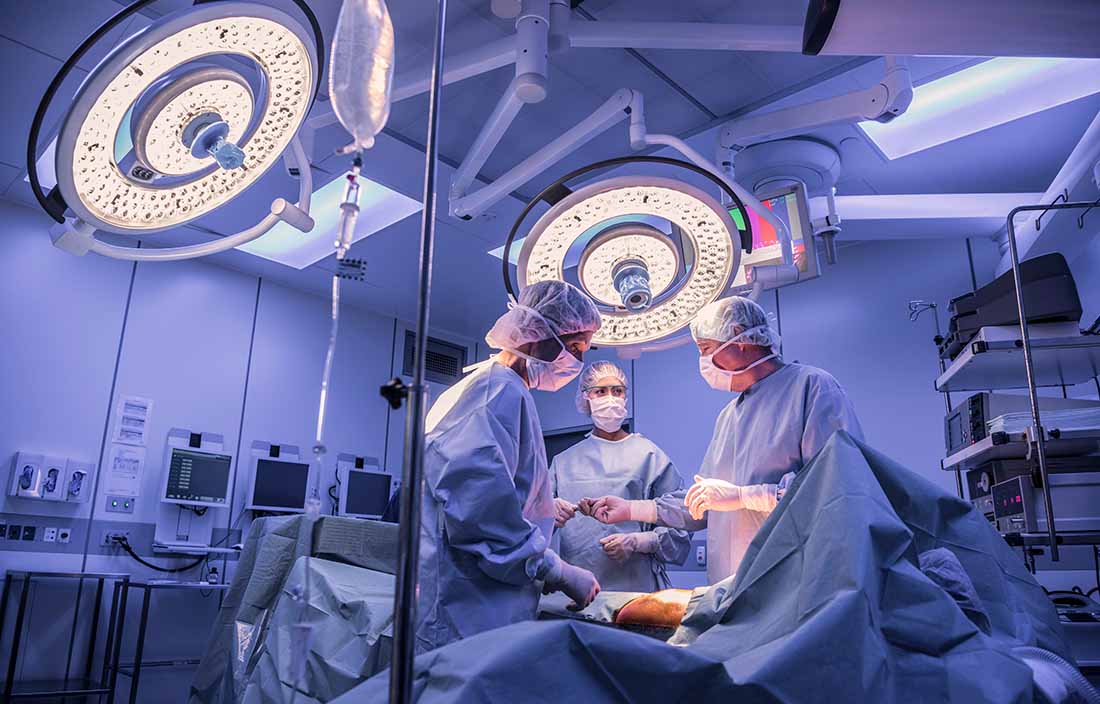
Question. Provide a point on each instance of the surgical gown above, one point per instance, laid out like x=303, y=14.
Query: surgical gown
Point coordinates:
x=633, y=468
x=768, y=431
x=487, y=510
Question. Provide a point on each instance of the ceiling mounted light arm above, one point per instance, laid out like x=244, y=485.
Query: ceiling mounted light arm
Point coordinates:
x=882, y=102
x=613, y=111
x=770, y=276
x=503, y=115
x=528, y=86
x=77, y=237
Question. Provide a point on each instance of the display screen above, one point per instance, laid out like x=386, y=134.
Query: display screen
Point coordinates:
x=368, y=493
x=200, y=477
x=766, y=250
x=1008, y=498
x=280, y=485
x=954, y=431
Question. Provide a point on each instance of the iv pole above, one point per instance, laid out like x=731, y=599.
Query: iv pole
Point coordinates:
x=408, y=530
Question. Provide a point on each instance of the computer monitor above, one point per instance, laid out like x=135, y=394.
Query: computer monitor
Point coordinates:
x=278, y=485
x=791, y=206
x=197, y=478
x=364, y=494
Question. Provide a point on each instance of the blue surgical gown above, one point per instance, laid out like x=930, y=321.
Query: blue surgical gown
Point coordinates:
x=487, y=511
x=766, y=432
x=633, y=468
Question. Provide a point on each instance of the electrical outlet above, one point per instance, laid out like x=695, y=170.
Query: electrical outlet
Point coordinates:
x=701, y=556
x=64, y=535
x=110, y=534
x=29, y=533
x=14, y=532
x=49, y=535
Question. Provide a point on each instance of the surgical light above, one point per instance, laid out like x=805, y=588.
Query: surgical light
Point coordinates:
x=177, y=121
x=980, y=97
x=648, y=283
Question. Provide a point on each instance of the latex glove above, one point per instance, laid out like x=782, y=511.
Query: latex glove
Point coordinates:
x=620, y=546
x=613, y=509
x=577, y=583
x=563, y=511
x=708, y=494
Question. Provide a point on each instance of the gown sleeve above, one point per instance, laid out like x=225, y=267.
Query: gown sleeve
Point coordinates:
x=479, y=462
x=673, y=544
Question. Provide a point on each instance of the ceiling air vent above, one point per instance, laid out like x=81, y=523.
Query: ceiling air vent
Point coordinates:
x=444, y=361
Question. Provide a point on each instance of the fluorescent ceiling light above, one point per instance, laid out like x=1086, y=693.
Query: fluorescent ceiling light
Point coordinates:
x=46, y=173
x=926, y=206
x=379, y=207
x=513, y=257
x=980, y=97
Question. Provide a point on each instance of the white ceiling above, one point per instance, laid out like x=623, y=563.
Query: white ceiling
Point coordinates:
x=688, y=93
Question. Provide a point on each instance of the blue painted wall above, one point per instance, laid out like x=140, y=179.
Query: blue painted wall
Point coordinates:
x=217, y=351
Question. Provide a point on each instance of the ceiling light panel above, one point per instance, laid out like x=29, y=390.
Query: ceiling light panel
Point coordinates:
x=980, y=97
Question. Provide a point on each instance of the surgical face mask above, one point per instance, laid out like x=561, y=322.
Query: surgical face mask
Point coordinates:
x=722, y=379
x=551, y=376
x=608, y=412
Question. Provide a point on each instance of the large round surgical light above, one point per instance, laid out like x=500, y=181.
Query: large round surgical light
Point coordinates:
x=648, y=284
x=180, y=118
x=195, y=98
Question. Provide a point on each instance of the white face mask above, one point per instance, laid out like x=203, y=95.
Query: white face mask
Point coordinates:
x=608, y=412
x=722, y=379
x=551, y=376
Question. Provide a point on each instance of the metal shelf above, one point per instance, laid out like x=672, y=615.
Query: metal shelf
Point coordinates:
x=1002, y=446
x=1065, y=537
x=127, y=668
x=52, y=689
x=994, y=360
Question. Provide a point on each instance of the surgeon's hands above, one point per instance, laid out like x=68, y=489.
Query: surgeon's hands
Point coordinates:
x=613, y=509
x=606, y=509
x=708, y=494
x=577, y=583
x=620, y=546
x=563, y=511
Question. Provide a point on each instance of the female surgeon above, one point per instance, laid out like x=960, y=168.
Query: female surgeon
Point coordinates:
x=780, y=418
x=631, y=556
x=488, y=512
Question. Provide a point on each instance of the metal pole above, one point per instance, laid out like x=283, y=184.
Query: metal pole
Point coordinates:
x=1025, y=336
x=408, y=557
x=947, y=400
x=1040, y=439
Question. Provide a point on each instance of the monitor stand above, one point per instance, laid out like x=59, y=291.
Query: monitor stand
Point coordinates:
x=178, y=526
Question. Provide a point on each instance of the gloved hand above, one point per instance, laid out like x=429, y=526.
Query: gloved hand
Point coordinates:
x=577, y=583
x=563, y=511
x=620, y=546
x=613, y=509
x=708, y=494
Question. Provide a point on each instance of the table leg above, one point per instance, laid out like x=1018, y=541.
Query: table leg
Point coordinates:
x=123, y=588
x=14, y=656
x=95, y=631
x=4, y=605
x=110, y=632
x=140, y=645
x=72, y=631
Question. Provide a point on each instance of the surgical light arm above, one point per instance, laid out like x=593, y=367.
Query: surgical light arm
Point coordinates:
x=613, y=111
x=882, y=102
x=770, y=275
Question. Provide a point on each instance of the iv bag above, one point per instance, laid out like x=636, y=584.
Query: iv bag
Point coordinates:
x=361, y=71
